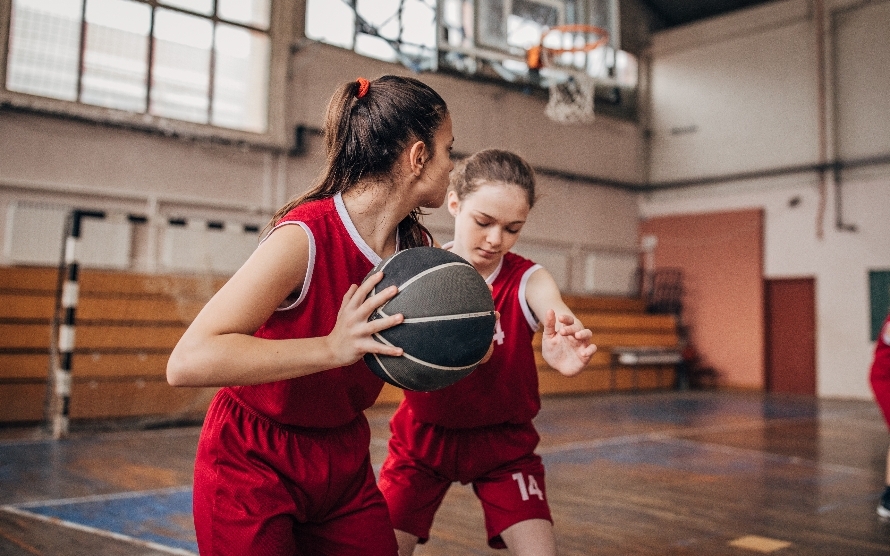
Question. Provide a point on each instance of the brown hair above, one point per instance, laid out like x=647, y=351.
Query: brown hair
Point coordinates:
x=365, y=134
x=493, y=165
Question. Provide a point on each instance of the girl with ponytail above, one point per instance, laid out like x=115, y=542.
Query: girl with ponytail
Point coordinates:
x=283, y=463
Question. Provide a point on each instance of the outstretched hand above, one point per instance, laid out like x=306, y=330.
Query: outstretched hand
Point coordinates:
x=565, y=344
x=352, y=336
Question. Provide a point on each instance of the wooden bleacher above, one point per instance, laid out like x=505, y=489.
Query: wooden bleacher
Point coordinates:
x=616, y=322
x=127, y=324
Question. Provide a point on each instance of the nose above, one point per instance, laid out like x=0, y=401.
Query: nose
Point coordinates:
x=494, y=236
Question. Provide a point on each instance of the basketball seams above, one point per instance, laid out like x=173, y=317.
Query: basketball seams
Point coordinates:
x=448, y=308
x=420, y=275
x=410, y=357
x=417, y=320
x=382, y=367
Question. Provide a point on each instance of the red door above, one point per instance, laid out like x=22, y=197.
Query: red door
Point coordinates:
x=791, y=336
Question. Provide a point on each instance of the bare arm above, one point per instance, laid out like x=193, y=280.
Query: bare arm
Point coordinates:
x=219, y=349
x=565, y=343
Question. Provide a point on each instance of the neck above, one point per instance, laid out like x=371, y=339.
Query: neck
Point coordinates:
x=376, y=212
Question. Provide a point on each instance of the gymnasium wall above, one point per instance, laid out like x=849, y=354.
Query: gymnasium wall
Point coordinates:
x=740, y=120
x=54, y=158
x=721, y=257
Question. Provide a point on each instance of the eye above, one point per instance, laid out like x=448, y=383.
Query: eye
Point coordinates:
x=512, y=231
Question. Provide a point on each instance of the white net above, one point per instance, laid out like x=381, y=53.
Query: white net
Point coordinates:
x=572, y=101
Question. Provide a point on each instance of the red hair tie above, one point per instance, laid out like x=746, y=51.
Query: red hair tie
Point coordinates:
x=363, y=86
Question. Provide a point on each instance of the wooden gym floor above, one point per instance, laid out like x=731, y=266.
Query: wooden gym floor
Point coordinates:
x=696, y=472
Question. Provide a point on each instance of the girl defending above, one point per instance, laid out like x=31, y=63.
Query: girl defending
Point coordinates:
x=480, y=429
x=283, y=464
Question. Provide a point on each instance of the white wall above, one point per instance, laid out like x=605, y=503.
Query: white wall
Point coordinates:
x=749, y=84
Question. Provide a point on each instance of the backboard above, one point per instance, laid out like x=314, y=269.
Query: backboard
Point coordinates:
x=480, y=36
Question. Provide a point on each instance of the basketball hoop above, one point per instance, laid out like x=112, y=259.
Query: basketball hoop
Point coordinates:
x=571, y=100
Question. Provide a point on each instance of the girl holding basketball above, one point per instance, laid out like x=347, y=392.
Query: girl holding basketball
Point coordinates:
x=480, y=429
x=283, y=463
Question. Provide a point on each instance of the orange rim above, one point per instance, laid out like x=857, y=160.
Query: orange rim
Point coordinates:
x=534, y=56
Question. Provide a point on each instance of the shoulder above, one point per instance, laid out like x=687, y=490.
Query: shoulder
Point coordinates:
x=309, y=211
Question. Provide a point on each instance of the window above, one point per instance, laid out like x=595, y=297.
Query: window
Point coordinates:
x=201, y=61
x=474, y=37
x=402, y=31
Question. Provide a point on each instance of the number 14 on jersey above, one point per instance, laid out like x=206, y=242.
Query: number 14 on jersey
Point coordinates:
x=531, y=490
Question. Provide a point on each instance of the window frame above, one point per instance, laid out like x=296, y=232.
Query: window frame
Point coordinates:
x=274, y=138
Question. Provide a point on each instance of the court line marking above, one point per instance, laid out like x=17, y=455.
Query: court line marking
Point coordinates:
x=627, y=438
x=101, y=497
x=667, y=438
x=98, y=532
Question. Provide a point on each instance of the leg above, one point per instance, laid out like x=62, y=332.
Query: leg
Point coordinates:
x=407, y=542
x=532, y=537
x=514, y=495
x=412, y=478
x=884, y=504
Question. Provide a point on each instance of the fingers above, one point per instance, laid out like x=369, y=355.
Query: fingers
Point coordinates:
x=384, y=349
x=550, y=323
x=357, y=299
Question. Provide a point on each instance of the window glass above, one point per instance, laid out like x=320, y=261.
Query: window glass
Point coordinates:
x=44, y=48
x=181, y=74
x=330, y=22
x=249, y=12
x=203, y=7
x=202, y=61
x=240, y=78
x=115, y=58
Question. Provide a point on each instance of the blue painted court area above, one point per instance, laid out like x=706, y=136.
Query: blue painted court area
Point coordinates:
x=162, y=518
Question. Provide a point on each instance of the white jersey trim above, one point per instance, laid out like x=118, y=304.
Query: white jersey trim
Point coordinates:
x=289, y=302
x=526, y=310
x=494, y=275
x=353, y=232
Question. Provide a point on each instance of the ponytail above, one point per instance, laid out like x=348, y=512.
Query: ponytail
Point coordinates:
x=367, y=126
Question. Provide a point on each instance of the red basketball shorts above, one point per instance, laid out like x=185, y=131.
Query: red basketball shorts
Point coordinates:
x=424, y=459
x=265, y=489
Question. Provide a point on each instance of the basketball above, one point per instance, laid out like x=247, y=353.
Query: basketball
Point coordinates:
x=449, y=319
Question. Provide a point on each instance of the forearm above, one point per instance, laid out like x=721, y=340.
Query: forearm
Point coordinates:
x=240, y=359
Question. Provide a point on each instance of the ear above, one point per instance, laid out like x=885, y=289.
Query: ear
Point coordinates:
x=417, y=157
x=453, y=203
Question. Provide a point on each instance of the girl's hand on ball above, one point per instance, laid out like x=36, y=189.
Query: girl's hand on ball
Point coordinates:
x=351, y=337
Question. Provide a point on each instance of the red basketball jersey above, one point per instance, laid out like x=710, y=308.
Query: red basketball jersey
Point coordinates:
x=505, y=388
x=338, y=258
x=880, y=370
